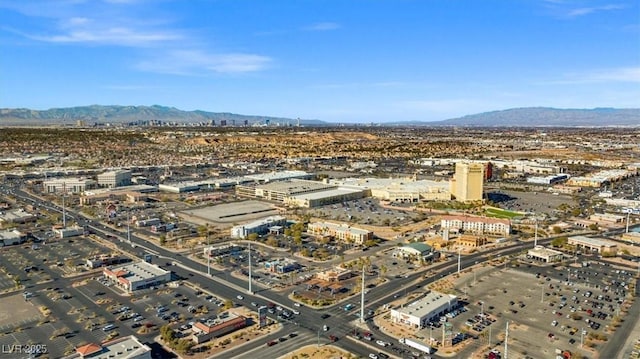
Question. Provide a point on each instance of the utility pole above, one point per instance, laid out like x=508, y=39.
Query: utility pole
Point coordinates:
x=362, y=297
x=128, y=228
x=318, y=345
x=458, y=261
x=250, y=291
x=506, y=341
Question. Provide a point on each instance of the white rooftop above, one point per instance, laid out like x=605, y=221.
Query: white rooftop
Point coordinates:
x=593, y=241
x=427, y=304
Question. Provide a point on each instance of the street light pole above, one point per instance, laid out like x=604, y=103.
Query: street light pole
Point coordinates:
x=458, y=261
x=362, y=297
x=250, y=291
x=535, y=240
x=208, y=253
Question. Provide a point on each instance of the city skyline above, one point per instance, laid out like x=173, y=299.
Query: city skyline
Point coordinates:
x=335, y=61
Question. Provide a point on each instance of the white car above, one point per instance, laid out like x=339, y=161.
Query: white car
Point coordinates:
x=296, y=304
x=296, y=312
x=325, y=328
x=373, y=356
x=240, y=297
x=381, y=343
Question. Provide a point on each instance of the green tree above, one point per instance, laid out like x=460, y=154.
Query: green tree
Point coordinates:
x=593, y=226
x=557, y=230
x=559, y=242
x=162, y=240
x=228, y=304
x=252, y=236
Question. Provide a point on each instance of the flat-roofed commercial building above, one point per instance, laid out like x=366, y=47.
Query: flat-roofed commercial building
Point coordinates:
x=112, y=179
x=407, y=190
x=279, y=176
x=68, y=185
x=336, y=274
x=593, y=244
x=16, y=216
x=11, y=237
x=281, y=190
x=477, y=225
x=129, y=347
x=204, y=332
x=138, y=275
x=281, y=265
x=420, y=312
x=259, y=227
x=134, y=193
x=324, y=197
x=341, y=231
x=179, y=187
x=606, y=218
x=69, y=232
x=545, y=255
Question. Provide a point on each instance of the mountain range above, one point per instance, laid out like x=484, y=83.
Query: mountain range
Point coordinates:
x=518, y=117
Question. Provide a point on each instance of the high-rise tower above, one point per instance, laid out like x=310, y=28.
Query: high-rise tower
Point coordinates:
x=468, y=182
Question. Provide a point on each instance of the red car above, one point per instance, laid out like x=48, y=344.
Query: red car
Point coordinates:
x=333, y=338
x=271, y=343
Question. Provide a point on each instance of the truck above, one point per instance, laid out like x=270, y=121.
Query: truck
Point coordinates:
x=416, y=345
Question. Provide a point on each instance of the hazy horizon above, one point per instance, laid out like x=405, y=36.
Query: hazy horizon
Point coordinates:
x=334, y=61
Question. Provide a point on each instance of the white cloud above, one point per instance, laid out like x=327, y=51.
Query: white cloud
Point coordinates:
x=621, y=74
x=196, y=62
x=322, y=26
x=122, y=36
x=590, y=10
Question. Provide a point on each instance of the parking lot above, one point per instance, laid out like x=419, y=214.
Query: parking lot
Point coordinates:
x=546, y=307
x=365, y=211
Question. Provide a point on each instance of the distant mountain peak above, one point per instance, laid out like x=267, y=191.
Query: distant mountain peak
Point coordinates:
x=549, y=117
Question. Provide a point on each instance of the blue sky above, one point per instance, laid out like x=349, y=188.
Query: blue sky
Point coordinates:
x=333, y=60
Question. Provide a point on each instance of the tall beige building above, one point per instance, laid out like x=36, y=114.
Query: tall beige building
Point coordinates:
x=467, y=183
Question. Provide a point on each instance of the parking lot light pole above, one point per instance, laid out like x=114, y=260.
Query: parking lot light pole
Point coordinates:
x=581, y=337
x=318, y=345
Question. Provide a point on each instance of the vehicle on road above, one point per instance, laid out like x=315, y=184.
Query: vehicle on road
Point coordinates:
x=239, y=297
x=325, y=328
